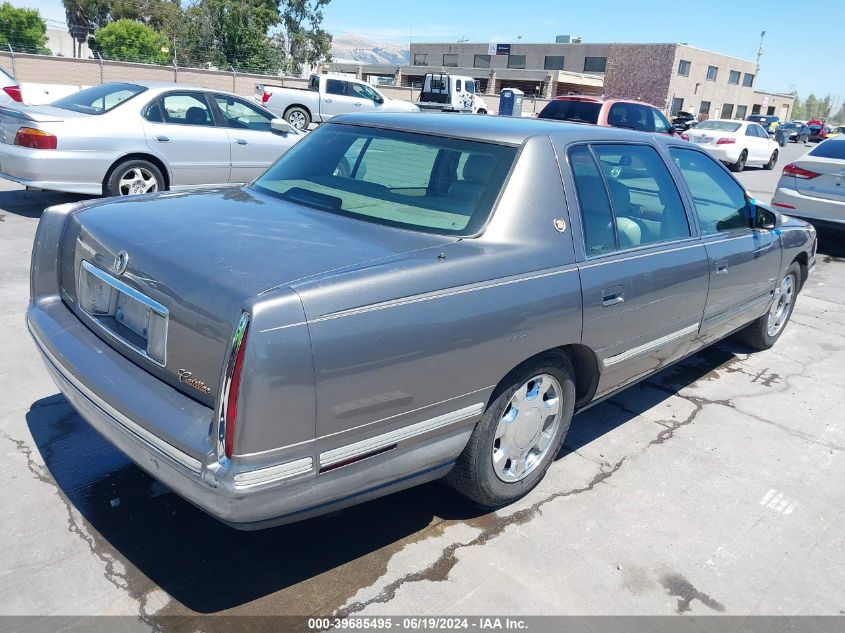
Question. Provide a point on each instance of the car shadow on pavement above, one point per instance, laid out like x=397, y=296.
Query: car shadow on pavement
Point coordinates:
x=831, y=242
x=30, y=204
x=208, y=567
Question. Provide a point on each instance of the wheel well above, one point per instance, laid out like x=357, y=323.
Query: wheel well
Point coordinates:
x=298, y=105
x=147, y=157
x=803, y=264
x=584, y=363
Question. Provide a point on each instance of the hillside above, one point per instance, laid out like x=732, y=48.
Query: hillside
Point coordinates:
x=349, y=47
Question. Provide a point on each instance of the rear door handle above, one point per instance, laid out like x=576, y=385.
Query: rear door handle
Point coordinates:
x=613, y=296
x=162, y=139
x=357, y=104
x=722, y=268
x=241, y=141
x=327, y=100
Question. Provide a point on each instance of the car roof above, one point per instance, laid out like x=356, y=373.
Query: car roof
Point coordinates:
x=169, y=85
x=728, y=121
x=492, y=129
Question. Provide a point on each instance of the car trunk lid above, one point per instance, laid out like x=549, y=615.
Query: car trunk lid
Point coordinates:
x=829, y=184
x=13, y=117
x=198, y=258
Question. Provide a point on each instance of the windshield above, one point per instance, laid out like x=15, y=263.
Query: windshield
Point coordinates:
x=721, y=126
x=98, y=99
x=570, y=110
x=416, y=181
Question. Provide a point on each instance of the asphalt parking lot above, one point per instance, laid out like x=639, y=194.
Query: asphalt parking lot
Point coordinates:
x=714, y=487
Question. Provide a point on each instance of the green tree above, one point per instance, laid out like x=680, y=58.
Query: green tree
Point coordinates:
x=234, y=33
x=23, y=29
x=165, y=16
x=133, y=41
x=308, y=43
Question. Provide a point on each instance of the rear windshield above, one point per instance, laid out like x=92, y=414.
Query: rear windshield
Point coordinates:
x=577, y=111
x=830, y=149
x=721, y=126
x=98, y=99
x=416, y=181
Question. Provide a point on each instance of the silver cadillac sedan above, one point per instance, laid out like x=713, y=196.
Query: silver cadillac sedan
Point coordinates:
x=400, y=299
x=120, y=139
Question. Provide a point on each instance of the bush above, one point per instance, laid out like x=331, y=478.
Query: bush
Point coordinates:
x=132, y=41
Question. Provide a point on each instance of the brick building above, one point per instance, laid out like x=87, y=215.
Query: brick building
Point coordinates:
x=670, y=76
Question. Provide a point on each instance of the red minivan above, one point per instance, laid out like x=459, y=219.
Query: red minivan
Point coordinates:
x=633, y=115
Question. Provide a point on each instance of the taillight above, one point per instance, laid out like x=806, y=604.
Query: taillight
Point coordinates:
x=685, y=136
x=14, y=92
x=265, y=96
x=726, y=141
x=35, y=139
x=232, y=390
x=799, y=172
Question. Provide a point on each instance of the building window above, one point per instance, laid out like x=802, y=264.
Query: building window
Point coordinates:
x=677, y=106
x=481, y=61
x=704, y=108
x=727, y=111
x=748, y=80
x=516, y=61
x=450, y=59
x=770, y=111
x=755, y=109
x=420, y=59
x=684, y=68
x=712, y=71
x=741, y=112
x=595, y=64
x=733, y=78
x=553, y=62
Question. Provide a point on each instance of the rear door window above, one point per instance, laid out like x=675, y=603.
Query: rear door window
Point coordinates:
x=570, y=110
x=720, y=203
x=185, y=108
x=829, y=149
x=627, y=198
x=335, y=87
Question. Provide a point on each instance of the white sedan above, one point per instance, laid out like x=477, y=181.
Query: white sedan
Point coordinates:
x=737, y=143
x=813, y=187
x=120, y=139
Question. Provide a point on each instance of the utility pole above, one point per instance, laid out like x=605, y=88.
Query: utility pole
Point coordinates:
x=760, y=51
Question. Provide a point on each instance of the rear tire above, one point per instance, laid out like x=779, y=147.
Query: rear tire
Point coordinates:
x=772, y=161
x=298, y=117
x=133, y=177
x=495, y=469
x=739, y=165
x=764, y=332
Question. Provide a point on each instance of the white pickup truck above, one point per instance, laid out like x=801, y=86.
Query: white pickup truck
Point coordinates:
x=326, y=96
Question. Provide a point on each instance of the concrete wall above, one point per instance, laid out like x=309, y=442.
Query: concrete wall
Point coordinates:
x=535, y=54
x=696, y=90
x=42, y=69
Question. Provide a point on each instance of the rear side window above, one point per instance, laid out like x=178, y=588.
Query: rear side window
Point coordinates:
x=720, y=203
x=829, y=149
x=335, y=87
x=576, y=111
x=627, y=197
x=416, y=181
x=631, y=116
x=99, y=99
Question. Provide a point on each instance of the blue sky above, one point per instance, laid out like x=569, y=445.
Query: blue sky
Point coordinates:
x=804, y=50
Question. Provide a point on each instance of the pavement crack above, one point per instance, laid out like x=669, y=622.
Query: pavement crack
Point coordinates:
x=439, y=569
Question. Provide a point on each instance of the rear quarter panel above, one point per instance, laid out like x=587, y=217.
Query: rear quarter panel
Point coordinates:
x=402, y=341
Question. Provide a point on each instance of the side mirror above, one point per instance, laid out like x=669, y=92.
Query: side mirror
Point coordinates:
x=765, y=218
x=378, y=99
x=280, y=125
x=673, y=130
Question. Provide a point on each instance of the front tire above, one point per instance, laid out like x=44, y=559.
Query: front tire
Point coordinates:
x=298, y=117
x=133, y=177
x=773, y=160
x=519, y=434
x=764, y=332
x=739, y=165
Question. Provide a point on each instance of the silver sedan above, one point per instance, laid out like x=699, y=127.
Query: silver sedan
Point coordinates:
x=120, y=139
